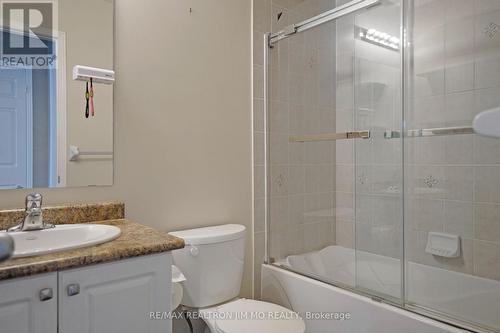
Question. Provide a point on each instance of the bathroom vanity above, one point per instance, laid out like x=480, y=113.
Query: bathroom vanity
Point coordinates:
x=112, y=287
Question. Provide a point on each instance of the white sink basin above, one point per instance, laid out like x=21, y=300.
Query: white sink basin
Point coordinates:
x=62, y=238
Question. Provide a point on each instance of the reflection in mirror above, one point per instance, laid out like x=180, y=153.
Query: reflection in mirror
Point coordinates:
x=56, y=126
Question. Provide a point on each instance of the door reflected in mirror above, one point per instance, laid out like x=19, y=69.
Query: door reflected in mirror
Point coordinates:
x=56, y=129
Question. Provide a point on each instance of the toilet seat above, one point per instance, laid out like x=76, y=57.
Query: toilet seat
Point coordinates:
x=250, y=316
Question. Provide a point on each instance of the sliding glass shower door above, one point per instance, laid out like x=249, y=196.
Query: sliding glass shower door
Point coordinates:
x=334, y=181
x=378, y=161
x=452, y=176
x=375, y=180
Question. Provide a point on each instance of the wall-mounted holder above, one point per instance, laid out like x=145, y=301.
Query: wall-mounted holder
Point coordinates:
x=177, y=288
x=98, y=75
x=75, y=154
x=443, y=245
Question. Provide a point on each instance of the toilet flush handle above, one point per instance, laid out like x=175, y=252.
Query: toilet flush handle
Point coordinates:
x=194, y=251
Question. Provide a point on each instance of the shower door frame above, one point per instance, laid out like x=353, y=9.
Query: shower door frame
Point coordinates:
x=405, y=69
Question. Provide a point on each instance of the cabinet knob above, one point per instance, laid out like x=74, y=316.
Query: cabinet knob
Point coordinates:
x=73, y=289
x=46, y=294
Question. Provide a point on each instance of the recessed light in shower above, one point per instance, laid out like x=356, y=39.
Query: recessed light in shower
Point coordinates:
x=379, y=38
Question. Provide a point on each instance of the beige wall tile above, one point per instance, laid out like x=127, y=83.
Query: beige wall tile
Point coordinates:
x=459, y=218
x=486, y=6
x=486, y=150
x=279, y=117
x=296, y=182
x=459, y=183
x=459, y=149
x=345, y=234
x=296, y=210
x=279, y=215
x=344, y=152
x=487, y=259
x=344, y=206
x=487, y=184
x=425, y=214
x=487, y=222
x=278, y=149
x=460, y=108
x=344, y=178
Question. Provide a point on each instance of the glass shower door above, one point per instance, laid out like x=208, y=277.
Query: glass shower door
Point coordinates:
x=375, y=180
x=334, y=182
x=453, y=176
x=301, y=163
x=376, y=49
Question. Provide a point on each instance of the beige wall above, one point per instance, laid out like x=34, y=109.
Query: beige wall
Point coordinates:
x=182, y=117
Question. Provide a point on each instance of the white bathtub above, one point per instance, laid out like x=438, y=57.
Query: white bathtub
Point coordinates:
x=465, y=296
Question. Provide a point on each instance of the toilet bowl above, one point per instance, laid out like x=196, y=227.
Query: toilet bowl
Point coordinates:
x=212, y=263
x=250, y=316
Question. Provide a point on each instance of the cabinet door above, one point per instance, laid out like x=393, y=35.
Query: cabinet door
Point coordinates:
x=117, y=297
x=29, y=305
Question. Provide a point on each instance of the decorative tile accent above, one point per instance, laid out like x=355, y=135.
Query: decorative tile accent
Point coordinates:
x=430, y=181
x=491, y=30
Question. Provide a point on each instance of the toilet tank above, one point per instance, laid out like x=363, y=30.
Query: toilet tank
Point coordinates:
x=212, y=263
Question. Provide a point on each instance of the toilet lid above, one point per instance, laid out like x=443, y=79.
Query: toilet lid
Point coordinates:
x=249, y=316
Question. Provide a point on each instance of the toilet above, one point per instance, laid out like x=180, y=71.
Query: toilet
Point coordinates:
x=213, y=262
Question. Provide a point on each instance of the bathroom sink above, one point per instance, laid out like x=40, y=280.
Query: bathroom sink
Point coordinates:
x=61, y=238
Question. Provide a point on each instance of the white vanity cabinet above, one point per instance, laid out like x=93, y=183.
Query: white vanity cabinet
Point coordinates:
x=115, y=297
x=29, y=305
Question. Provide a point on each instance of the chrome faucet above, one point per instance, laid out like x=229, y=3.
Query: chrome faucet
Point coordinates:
x=34, y=216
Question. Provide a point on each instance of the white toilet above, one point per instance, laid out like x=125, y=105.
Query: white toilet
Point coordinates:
x=212, y=263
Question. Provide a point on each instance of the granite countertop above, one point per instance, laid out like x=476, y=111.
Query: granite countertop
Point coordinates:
x=135, y=240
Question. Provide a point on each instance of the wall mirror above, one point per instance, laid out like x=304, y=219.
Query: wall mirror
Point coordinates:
x=56, y=93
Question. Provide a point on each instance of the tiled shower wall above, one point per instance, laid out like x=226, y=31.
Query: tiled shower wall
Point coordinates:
x=369, y=171
x=454, y=181
x=302, y=101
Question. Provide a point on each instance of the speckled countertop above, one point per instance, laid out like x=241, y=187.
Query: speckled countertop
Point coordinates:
x=68, y=214
x=135, y=240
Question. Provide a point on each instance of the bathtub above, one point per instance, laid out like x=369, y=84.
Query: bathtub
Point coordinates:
x=465, y=296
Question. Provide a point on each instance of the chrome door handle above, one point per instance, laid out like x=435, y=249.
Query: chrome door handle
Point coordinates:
x=331, y=136
x=73, y=289
x=427, y=132
x=46, y=294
